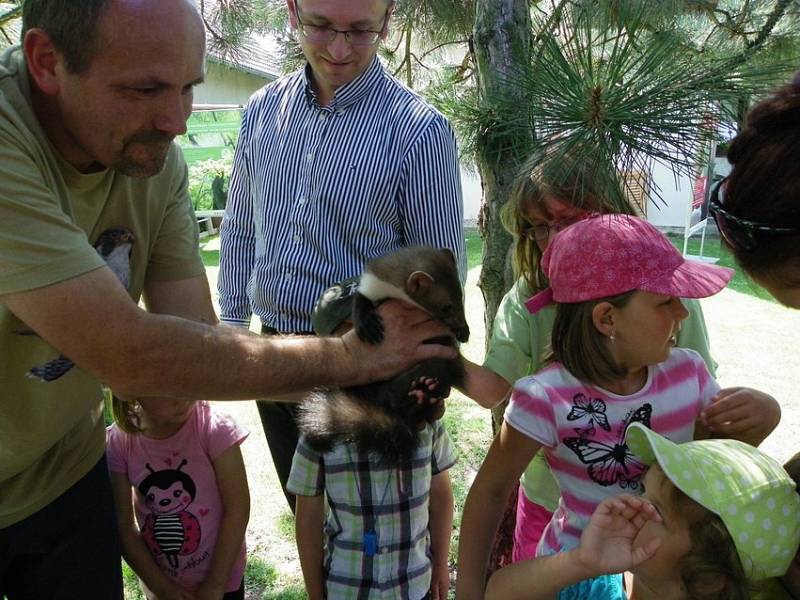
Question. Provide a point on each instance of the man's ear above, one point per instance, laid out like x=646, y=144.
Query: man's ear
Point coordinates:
x=290, y=4
x=603, y=315
x=389, y=15
x=43, y=60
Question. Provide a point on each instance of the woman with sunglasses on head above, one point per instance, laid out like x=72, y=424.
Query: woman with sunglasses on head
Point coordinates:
x=757, y=211
x=560, y=190
x=757, y=207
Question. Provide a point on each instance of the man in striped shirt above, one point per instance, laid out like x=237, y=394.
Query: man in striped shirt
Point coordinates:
x=336, y=163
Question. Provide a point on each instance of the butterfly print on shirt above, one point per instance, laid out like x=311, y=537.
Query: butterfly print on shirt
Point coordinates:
x=594, y=409
x=612, y=464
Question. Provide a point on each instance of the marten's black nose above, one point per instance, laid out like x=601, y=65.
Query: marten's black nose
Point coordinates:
x=461, y=333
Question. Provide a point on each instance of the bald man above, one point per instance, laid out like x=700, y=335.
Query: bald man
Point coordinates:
x=96, y=214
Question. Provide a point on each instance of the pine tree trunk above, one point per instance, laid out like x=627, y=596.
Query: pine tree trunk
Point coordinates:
x=501, y=44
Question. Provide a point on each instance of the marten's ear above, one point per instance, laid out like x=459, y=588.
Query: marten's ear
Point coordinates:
x=449, y=254
x=418, y=283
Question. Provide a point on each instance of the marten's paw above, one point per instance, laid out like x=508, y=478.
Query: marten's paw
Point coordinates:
x=427, y=390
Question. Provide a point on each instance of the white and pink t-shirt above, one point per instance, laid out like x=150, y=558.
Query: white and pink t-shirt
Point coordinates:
x=177, y=502
x=582, y=429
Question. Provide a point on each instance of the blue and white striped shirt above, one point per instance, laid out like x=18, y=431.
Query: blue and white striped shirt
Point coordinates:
x=316, y=192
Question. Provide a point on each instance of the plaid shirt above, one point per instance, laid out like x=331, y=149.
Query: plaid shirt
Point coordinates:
x=365, y=496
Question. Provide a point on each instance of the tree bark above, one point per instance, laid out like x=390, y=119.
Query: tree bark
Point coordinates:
x=501, y=45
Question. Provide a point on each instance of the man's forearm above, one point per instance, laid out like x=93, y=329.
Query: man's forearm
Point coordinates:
x=175, y=357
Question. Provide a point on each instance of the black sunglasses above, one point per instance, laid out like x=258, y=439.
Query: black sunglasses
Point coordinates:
x=741, y=234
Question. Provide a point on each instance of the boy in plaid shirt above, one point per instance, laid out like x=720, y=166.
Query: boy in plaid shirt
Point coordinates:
x=385, y=532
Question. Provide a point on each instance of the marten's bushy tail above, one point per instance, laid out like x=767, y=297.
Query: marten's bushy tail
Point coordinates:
x=328, y=417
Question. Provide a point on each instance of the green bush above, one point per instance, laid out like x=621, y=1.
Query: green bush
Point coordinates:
x=209, y=180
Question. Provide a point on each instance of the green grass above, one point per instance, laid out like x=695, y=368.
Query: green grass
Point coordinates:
x=263, y=579
x=133, y=591
x=259, y=574
x=474, y=245
x=286, y=525
x=210, y=257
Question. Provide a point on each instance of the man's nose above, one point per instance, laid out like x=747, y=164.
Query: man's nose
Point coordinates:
x=172, y=115
x=339, y=48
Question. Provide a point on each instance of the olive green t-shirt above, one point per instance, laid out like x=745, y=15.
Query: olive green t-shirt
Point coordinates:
x=517, y=347
x=51, y=218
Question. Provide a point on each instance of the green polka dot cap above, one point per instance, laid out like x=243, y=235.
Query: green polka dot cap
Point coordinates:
x=751, y=493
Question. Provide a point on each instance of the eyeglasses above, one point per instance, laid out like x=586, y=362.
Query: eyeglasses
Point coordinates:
x=325, y=35
x=541, y=232
x=741, y=234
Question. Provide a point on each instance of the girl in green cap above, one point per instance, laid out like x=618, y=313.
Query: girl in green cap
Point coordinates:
x=717, y=516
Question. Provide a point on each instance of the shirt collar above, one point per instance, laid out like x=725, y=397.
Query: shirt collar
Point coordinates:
x=348, y=94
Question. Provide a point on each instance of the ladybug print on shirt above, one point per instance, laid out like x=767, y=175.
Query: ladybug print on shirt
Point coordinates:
x=169, y=528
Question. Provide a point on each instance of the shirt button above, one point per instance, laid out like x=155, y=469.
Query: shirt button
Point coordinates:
x=288, y=275
x=385, y=549
x=297, y=238
x=302, y=200
x=310, y=156
x=323, y=116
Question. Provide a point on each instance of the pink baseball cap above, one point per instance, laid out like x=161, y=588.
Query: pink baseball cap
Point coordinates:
x=608, y=255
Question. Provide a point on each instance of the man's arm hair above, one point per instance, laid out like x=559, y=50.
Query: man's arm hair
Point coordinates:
x=92, y=320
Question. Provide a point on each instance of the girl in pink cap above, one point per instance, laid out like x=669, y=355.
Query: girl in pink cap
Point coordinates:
x=558, y=191
x=618, y=283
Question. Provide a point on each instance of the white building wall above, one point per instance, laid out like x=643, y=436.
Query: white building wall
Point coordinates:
x=224, y=85
x=676, y=195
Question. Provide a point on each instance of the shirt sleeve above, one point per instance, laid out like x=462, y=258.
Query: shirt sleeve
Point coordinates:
x=430, y=198
x=529, y=411
x=694, y=334
x=237, y=237
x=116, y=455
x=39, y=243
x=307, y=477
x=443, y=454
x=708, y=385
x=222, y=430
x=519, y=339
x=174, y=255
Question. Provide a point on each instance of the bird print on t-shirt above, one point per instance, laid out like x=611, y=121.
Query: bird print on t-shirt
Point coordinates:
x=115, y=247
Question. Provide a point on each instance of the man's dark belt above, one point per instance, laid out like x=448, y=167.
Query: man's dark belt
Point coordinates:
x=267, y=330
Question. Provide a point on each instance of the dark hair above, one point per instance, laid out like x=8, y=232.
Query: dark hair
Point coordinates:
x=764, y=184
x=579, y=346
x=712, y=569
x=792, y=467
x=569, y=178
x=73, y=25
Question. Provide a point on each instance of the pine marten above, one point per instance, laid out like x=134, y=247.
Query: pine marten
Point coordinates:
x=385, y=417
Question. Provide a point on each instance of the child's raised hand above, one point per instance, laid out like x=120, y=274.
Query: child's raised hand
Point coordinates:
x=606, y=545
x=742, y=413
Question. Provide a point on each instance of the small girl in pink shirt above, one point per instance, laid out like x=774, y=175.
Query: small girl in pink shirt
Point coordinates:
x=183, y=462
x=617, y=282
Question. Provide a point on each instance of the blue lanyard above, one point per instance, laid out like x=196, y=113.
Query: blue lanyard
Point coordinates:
x=370, y=538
